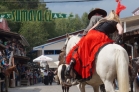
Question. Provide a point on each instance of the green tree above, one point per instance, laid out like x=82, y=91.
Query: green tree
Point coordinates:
x=85, y=20
x=20, y=4
x=60, y=26
x=35, y=32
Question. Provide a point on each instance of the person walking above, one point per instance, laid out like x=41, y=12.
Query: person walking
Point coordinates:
x=45, y=73
x=51, y=76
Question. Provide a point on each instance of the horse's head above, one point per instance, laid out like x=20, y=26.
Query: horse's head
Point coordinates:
x=71, y=41
x=67, y=38
x=13, y=68
x=10, y=70
x=70, y=36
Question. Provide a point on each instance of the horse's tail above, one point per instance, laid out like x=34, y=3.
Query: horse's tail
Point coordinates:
x=122, y=71
x=63, y=72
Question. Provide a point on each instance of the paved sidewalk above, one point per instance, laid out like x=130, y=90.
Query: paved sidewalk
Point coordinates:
x=46, y=88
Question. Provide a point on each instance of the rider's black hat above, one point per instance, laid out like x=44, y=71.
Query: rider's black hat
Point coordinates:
x=99, y=11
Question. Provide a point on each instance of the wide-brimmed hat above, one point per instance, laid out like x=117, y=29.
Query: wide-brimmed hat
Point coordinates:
x=99, y=11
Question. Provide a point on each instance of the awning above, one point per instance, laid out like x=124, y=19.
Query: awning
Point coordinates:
x=42, y=58
x=21, y=58
x=9, y=34
x=131, y=23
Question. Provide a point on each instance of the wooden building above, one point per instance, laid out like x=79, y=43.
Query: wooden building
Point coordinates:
x=131, y=34
x=17, y=43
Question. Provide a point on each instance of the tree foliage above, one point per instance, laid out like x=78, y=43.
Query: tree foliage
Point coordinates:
x=38, y=32
x=35, y=32
x=85, y=20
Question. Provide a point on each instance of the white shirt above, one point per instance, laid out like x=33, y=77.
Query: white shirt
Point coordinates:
x=45, y=73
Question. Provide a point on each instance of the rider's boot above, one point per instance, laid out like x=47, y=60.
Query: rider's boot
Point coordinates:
x=71, y=65
x=69, y=68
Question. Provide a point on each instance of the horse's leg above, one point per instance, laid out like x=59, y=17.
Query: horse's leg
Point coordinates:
x=96, y=88
x=67, y=89
x=109, y=85
x=102, y=88
x=63, y=88
x=81, y=87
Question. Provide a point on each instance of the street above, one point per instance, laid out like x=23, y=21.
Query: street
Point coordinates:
x=46, y=88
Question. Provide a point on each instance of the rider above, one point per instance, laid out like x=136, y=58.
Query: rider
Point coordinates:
x=94, y=16
x=89, y=46
x=61, y=59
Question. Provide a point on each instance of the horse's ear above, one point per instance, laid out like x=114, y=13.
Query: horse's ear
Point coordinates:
x=67, y=35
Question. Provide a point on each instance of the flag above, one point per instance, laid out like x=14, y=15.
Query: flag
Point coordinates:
x=120, y=7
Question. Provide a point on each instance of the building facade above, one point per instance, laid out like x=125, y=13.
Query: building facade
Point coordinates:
x=53, y=47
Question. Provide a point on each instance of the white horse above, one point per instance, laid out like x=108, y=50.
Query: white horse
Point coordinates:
x=111, y=62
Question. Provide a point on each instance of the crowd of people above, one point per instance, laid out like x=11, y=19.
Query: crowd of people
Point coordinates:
x=13, y=47
x=28, y=74
x=37, y=76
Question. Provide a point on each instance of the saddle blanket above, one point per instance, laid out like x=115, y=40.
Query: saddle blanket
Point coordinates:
x=85, y=52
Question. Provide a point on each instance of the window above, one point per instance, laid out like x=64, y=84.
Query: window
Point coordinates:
x=48, y=52
x=57, y=51
x=51, y=52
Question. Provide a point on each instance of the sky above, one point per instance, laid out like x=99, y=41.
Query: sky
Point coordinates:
x=81, y=7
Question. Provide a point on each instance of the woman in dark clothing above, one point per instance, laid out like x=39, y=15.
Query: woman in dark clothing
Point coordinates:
x=45, y=73
x=51, y=76
x=87, y=48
